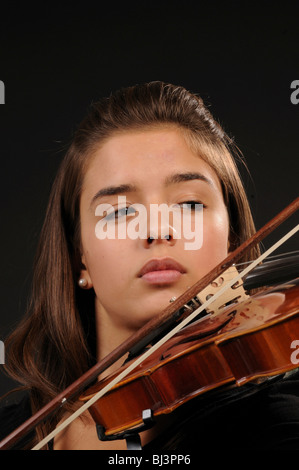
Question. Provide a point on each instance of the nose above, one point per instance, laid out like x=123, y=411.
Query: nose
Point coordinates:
x=165, y=235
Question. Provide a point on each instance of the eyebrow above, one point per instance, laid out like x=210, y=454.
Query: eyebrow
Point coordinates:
x=112, y=190
x=189, y=176
x=172, y=179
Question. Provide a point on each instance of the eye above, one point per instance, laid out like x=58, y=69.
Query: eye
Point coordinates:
x=120, y=213
x=125, y=211
x=192, y=205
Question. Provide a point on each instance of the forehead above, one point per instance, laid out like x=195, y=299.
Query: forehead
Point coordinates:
x=147, y=155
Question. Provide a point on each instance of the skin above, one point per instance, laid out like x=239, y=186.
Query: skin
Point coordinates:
x=145, y=159
x=124, y=301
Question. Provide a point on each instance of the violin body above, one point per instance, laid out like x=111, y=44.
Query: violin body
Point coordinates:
x=246, y=342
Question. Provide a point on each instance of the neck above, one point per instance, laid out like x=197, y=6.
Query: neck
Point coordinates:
x=109, y=336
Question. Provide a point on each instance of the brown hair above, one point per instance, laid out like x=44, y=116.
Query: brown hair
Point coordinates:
x=54, y=344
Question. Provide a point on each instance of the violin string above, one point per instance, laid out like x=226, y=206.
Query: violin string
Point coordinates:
x=169, y=335
x=273, y=257
x=282, y=255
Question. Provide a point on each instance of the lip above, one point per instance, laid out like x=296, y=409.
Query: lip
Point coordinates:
x=161, y=271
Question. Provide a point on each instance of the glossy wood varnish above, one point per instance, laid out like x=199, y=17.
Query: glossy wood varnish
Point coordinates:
x=246, y=342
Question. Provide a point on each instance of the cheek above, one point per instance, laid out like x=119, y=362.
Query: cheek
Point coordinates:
x=105, y=260
x=215, y=237
x=214, y=247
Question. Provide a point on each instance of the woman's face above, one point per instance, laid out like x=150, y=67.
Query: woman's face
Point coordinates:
x=147, y=167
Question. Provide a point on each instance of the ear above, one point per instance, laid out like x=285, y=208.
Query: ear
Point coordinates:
x=84, y=280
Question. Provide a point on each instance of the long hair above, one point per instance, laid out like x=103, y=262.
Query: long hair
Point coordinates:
x=54, y=344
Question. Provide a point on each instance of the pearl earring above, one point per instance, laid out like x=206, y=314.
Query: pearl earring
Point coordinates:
x=82, y=282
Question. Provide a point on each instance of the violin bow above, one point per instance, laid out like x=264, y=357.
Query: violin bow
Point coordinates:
x=146, y=332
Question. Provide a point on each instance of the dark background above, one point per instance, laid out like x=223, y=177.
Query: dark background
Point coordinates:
x=241, y=57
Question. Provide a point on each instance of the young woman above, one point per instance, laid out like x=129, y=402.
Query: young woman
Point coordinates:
x=149, y=144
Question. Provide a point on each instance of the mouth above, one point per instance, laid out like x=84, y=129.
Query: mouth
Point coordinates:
x=161, y=271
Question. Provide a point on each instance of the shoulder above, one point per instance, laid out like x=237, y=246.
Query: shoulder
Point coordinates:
x=251, y=417
x=13, y=413
x=268, y=418
x=281, y=413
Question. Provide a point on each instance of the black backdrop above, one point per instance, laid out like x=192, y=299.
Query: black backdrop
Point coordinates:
x=241, y=57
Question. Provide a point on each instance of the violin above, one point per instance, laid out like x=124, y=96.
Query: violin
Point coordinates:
x=246, y=341
x=214, y=335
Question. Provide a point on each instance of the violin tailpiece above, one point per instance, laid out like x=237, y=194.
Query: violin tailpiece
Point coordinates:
x=234, y=294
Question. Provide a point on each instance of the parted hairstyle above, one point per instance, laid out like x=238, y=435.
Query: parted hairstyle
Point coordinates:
x=55, y=342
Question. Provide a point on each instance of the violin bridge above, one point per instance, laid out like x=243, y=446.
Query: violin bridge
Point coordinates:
x=234, y=294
